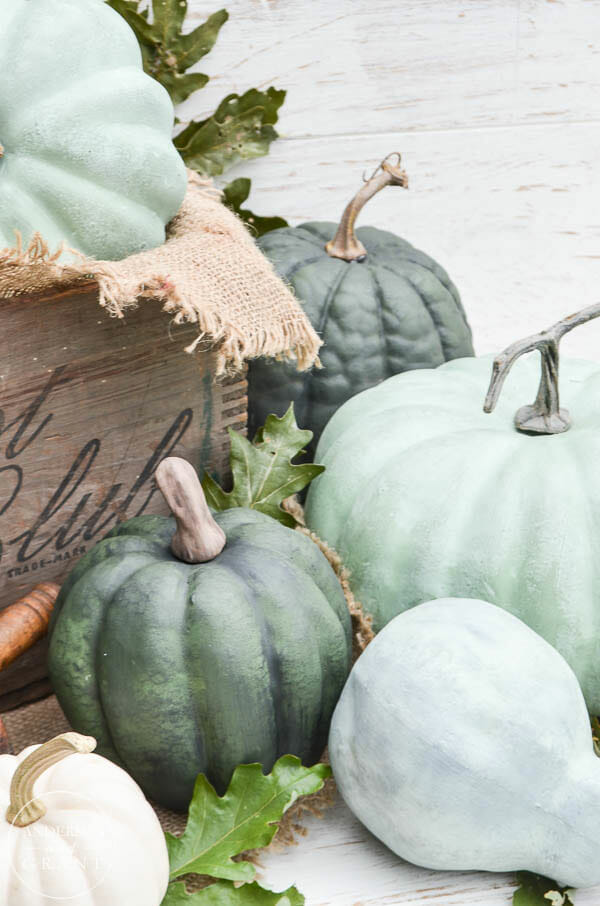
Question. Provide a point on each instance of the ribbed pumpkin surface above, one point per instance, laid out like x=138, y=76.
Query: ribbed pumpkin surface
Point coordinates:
x=179, y=669
x=425, y=496
x=86, y=134
x=396, y=310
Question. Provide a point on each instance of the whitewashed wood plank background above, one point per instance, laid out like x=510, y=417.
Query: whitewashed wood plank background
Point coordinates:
x=495, y=105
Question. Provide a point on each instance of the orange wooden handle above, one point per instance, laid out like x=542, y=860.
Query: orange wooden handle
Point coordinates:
x=5, y=747
x=26, y=621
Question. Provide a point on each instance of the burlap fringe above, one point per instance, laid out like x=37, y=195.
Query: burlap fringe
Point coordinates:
x=209, y=272
x=362, y=623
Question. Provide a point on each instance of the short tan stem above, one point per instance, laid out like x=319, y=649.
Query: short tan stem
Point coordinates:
x=345, y=243
x=198, y=538
x=1, y=150
x=24, y=809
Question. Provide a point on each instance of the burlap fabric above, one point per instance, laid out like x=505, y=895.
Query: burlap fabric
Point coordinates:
x=40, y=721
x=44, y=720
x=209, y=272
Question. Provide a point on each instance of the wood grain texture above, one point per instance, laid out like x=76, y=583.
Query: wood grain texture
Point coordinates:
x=355, y=67
x=26, y=679
x=25, y=692
x=495, y=106
x=512, y=214
x=339, y=863
x=89, y=405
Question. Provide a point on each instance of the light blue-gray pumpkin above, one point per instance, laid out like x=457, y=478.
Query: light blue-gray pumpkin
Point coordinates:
x=462, y=741
x=179, y=668
x=86, y=155
x=380, y=305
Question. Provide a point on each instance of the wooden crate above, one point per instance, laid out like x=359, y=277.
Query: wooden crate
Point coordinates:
x=89, y=405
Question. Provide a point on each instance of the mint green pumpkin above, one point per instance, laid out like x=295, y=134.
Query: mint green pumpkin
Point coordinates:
x=426, y=496
x=180, y=668
x=86, y=155
x=380, y=305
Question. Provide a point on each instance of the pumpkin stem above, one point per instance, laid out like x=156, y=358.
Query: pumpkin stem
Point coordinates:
x=198, y=537
x=345, y=244
x=544, y=416
x=24, y=809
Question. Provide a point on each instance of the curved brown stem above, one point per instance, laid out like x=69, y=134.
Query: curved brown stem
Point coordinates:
x=345, y=244
x=544, y=415
x=24, y=809
x=198, y=538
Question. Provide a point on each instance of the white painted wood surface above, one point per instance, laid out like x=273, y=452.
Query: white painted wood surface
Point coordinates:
x=495, y=105
x=338, y=863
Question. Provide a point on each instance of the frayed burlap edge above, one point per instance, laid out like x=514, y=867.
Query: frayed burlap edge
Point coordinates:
x=209, y=272
x=362, y=623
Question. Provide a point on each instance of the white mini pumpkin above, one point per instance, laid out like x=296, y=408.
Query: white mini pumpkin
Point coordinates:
x=85, y=135
x=87, y=838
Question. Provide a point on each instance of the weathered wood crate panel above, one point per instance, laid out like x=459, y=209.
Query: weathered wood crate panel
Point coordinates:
x=89, y=405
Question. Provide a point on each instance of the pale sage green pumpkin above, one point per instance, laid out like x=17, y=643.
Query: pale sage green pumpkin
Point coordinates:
x=425, y=495
x=193, y=644
x=380, y=305
x=86, y=155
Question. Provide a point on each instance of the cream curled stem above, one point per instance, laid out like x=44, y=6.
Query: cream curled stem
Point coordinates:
x=198, y=538
x=345, y=243
x=24, y=809
x=544, y=415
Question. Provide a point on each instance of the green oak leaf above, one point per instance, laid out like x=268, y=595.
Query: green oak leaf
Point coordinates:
x=235, y=194
x=241, y=128
x=223, y=893
x=246, y=817
x=166, y=52
x=180, y=87
x=169, y=16
x=127, y=7
x=135, y=17
x=263, y=472
x=535, y=890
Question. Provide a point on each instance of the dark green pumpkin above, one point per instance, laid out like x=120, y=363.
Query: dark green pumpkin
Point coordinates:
x=380, y=305
x=178, y=669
